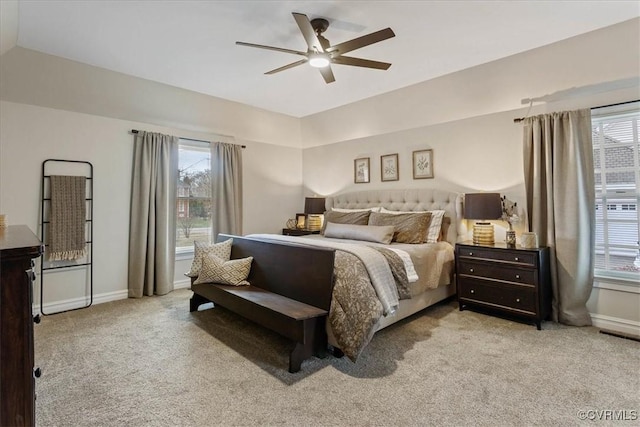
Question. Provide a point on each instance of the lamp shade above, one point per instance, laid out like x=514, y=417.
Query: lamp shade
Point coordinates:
x=314, y=205
x=482, y=206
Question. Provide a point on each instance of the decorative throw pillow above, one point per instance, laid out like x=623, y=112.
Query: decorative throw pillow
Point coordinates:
x=358, y=218
x=233, y=272
x=367, y=233
x=433, y=232
x=409, y=227
x=222, y=250
x=434, y=227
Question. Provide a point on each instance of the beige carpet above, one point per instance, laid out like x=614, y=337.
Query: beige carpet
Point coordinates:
x=149, y=362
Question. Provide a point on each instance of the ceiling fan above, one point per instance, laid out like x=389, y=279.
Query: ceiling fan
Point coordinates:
x=320, y=54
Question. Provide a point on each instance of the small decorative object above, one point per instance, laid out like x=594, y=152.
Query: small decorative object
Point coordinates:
x=423, y=164
x=301, y=220
x=3, y=220
x=389, y=167
x=292, y=223
x=529, y=240
x=482, y=206
x=361, y=170
x=510, y=215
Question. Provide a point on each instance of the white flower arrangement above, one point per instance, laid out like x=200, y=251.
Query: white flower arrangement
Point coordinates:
x=509, y=212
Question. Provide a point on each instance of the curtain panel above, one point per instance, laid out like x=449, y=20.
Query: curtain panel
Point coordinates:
x=559, y=181
x=226, y=174
x=152, y=234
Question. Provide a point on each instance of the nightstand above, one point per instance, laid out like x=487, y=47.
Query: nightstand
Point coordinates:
x=510, y=281
x=298, y=232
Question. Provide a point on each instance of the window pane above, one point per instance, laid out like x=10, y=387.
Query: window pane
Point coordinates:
x=194, y=195
x=615, y=143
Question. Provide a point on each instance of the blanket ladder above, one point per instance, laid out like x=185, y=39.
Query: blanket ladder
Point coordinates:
x=84, y=265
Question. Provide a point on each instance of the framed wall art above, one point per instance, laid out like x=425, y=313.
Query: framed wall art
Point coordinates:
x=389, y=167
x=301, y=220
x=361, y=170
x=423, y=164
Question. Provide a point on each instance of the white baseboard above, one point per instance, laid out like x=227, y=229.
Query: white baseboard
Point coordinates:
x=616, y=324
x=182, y=284
x=70, y=304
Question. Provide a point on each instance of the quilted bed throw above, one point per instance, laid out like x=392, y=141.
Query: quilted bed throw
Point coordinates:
x=68, y=218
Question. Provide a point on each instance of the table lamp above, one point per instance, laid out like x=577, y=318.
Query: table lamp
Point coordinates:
x=482, y=207
x=314, y=209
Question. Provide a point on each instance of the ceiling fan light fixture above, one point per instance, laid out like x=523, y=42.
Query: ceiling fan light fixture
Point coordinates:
x=319, y=60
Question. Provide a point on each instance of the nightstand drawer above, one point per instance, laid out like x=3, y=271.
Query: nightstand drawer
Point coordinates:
x=496, y=271
x=519, y=256
x=521, y=299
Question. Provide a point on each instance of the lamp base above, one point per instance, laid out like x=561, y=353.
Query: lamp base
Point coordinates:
x=314, y=222
x=483, y=233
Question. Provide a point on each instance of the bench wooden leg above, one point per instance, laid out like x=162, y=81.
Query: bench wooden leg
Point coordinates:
x=196, y=301
x=304, y=350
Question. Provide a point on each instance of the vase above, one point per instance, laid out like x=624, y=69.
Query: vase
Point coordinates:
x=511, y=238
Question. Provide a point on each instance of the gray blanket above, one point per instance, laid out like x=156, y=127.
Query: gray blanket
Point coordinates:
x=356, y=306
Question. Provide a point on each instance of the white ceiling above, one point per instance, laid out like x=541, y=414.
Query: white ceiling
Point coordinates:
x=191, y=44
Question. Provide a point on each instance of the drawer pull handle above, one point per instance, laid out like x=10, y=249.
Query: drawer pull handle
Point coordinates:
x=517, y=259
x=517, y=276
x=517, y=299
x=471, y=270
x=470, y=253
x=472, y=291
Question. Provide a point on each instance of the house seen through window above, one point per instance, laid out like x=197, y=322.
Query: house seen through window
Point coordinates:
x=193, y=203
x=616, y=151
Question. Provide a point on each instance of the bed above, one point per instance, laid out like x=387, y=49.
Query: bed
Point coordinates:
x=435, y=276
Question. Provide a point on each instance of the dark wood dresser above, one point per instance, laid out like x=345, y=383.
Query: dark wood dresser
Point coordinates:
x=18, y=248
x=510, y=281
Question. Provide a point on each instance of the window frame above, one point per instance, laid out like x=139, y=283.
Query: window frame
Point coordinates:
x=183, y=252
x=611, y=199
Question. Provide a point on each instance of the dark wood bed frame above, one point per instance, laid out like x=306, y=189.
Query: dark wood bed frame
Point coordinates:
x=290, y=292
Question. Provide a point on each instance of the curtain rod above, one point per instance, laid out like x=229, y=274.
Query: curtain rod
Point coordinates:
x=519, y=119
x=136, y=131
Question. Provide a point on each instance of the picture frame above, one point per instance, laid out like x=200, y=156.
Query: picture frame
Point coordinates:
x=422, y=164
x=301, y=221
x=361, y=170
x=389, y=167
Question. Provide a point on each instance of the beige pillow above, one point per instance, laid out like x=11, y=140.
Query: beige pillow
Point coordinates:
x=233, y=272
x=433, y=232
x=222, y=250
x=409, y=227
x=358, y=218
x=367, y=233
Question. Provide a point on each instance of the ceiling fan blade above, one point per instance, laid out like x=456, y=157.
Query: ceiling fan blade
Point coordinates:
x=327, y=74
x=358, y=62
x=363, y=41
x=277, y=49
x=307, y=31
x=286, y=67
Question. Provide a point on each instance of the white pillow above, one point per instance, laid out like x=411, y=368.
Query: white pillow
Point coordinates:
x=374, y=209
x=222, y=250
x=233, y=272
x=367, y=233
x=434, y=226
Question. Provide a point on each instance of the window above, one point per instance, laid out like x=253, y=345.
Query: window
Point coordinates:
x=193, y=220
x=616, y=151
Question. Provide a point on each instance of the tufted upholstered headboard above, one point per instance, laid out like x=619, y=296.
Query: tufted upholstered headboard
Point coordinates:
x=407, y=200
